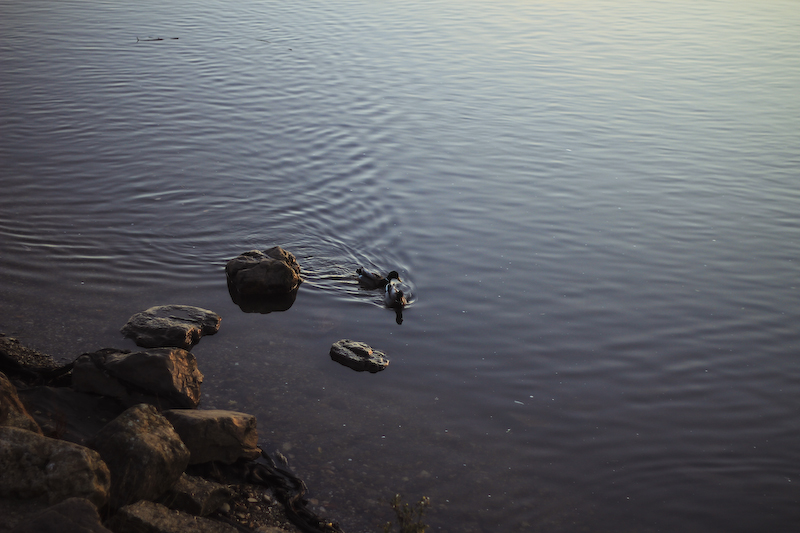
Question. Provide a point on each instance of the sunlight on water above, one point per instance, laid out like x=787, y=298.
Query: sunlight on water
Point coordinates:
x=592, y=205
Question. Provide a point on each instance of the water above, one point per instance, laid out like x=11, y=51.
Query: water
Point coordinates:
x=593, y=204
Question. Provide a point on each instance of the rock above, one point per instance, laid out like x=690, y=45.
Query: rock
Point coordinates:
x=73, y=515
x=197, y=496
x=167, y=377
x=32, y=465
x=358, y=356
x=272, y=272
x=171, y=325
x=144, y=454
x=216, y=435
x=12, y=411
x=149, y=517
x=67, y=414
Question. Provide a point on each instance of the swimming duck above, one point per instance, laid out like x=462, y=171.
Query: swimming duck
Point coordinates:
x=393, y=297
x=373, y=280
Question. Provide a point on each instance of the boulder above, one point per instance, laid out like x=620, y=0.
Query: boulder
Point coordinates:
x=32, y=465
x=149, y=517
x=358, y=356
x=73, y=515
x=171, y=325
x=12, y=411
x=273, y=272
x=216, y=435
x=144, y=454
x=195, y=495
x=167, y=377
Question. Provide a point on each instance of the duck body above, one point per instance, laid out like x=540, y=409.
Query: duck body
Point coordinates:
x=393, y=297
x=373, y=280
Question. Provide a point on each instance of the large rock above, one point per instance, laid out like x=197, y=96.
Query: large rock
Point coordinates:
x=273, y=272
x=197, y=496
x=216, y=435
x=144, y=453
x=167, y=377
x=12, y=411
x=149, y=517
x=358, y=356
x=74, y=515
x=171, y=325
x=32, y=465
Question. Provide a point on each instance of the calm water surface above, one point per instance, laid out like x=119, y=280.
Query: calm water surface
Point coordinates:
x=593, y=204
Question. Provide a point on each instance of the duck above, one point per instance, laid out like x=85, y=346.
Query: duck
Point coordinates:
x=373, y=280
x=393, y=297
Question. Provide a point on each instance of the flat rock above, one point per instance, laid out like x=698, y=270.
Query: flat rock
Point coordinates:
x=358, y=356
x=196, y=496
x=73, y=515
x=12, y=410
x=144, y=454
x=167, y=377
x=171, y=325
x=272, y=272
x=215, y=434
x=149, y=517
x=32, y=466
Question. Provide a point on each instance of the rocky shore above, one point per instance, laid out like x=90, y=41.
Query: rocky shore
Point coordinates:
x=114, y=442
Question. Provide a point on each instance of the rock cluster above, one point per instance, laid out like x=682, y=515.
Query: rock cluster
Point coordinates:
x=103, y=442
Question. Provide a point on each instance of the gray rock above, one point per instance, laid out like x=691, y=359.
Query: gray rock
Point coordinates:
x=171, y=325
x=144, y=454
x=149, y=517
x=32, y=465
x=167, y=377
x=74, y=515
x=358, y=356
x=273, y=272
x=216, y=435
x=12, y=411
x=197, y=496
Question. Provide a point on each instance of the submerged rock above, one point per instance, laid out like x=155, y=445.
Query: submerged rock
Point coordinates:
x=273, y=272
x=171, y=325
x=167, y=377
x=358, y=356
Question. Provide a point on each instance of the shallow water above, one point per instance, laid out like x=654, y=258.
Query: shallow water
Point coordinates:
x=593, y=205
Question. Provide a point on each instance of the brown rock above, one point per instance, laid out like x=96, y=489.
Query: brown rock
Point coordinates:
x=216, y=435
x=144, y=454
x=32, y=465
x=272, y=272
x=195, y=495
x=73, y=515
x=149, y=517
x=171, y=325
x=12, y=411
x=167, y=377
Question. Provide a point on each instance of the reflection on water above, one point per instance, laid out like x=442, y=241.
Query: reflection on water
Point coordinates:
x=592, y=207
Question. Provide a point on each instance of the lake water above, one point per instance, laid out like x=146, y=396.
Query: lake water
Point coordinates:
x=594, y=206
